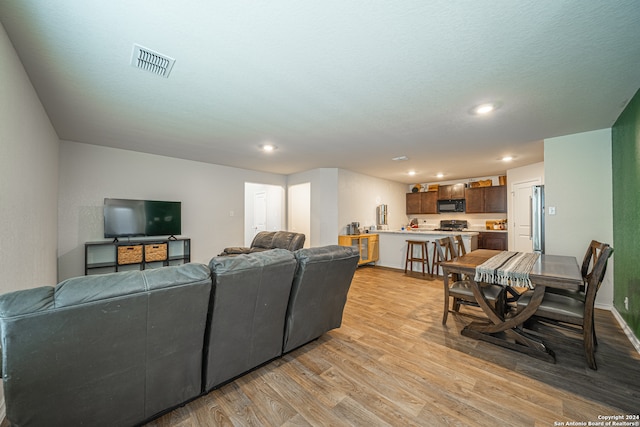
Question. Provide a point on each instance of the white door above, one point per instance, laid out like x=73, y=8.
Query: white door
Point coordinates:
x=521, y=227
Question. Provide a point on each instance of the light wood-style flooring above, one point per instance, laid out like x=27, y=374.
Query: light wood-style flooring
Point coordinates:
x=393, y=363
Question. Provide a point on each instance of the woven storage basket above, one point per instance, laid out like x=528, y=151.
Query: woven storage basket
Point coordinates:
x=129, y=254
x=155, y=252
x=481, y=183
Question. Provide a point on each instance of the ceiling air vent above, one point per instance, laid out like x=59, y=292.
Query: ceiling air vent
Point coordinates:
x=154, y=62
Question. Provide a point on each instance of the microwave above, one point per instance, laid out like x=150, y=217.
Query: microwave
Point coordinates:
x=451, y=206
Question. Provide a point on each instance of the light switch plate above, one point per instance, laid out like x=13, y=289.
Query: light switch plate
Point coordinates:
x=552, y=210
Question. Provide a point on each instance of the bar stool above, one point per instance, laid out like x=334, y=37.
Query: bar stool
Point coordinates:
x=424, y=256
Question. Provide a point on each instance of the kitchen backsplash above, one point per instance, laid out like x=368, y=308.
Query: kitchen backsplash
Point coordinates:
x=477, y=222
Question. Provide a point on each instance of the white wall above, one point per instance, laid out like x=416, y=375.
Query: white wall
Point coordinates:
x=359, y=195
x=578, y=184
x=208, y=193
x=28, y=180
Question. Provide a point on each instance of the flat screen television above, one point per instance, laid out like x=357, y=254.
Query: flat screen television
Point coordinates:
x=129, y=218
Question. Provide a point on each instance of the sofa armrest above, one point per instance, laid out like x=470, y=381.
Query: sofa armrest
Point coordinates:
x=235, y=250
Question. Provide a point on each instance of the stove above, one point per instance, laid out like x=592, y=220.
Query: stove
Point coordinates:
x=452, y=225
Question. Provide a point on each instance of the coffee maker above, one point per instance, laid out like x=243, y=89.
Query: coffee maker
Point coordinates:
x=353, y=228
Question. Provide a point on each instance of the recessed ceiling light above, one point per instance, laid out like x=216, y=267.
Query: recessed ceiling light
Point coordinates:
x=507, y=158
x=268, y=148
x=400, y=158
x=412, y=173
x=485, y=108
x=440, y=175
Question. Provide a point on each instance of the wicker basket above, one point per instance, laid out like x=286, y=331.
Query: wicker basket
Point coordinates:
x=481, y=183
x=155, y=252
x=129, y=254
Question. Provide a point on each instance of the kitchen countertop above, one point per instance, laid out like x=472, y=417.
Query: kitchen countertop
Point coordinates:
x=428, y=231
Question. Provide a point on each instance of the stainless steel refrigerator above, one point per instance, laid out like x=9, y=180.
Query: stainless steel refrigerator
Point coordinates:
x=537, y=218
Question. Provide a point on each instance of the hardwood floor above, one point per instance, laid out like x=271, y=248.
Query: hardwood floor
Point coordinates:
x=393, y=363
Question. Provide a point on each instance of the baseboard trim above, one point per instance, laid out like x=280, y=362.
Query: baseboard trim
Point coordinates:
x=627, y=330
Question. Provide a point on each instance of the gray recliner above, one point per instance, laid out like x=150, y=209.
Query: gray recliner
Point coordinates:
x=319, y=292
x=104, y=350
x=249, y=303
x=266, y=240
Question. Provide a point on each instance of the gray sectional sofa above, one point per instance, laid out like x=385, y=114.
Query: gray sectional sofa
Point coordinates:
x=267, y=240
x=123, y=348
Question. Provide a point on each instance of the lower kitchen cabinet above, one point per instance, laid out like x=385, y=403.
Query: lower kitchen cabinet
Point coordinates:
x=496, y=241
x=367, y=245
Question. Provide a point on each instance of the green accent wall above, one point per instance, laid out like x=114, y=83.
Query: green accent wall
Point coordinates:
x=625, y=153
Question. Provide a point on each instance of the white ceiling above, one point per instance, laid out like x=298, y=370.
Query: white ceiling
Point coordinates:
x=332, y=83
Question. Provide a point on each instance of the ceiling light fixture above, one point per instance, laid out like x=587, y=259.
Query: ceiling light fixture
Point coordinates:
x=400, y=158
x=507, y=158
x=268, y=148
x=486, y=108
x=440, y=175
x=412, y=173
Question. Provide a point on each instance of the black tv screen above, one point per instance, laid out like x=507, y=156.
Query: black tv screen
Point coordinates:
x=128, y=218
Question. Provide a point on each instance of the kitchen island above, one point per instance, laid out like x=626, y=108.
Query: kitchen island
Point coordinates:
x=393, y=245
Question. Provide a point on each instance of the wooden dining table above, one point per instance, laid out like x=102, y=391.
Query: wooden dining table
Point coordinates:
x=506, y=330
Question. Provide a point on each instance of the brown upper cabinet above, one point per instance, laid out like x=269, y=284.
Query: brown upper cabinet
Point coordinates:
x=486, y=199
x=452, y=191
x=422, y=203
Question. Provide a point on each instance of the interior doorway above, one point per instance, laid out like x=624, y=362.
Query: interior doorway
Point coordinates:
x=299, y=211
x=263, y=209
x=521, y=235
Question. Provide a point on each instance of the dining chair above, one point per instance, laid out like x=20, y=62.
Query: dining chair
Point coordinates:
x=461, y=290
x=460, y=249
x=572, y=313
x=588, y=263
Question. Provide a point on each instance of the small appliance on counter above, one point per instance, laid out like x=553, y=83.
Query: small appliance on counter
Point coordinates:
x=453, y=225
x=353, y=228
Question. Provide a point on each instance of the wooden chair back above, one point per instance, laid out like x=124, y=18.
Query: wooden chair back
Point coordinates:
x=590, y=258
x=460, y=245
x=446, y=249
x=595, y=278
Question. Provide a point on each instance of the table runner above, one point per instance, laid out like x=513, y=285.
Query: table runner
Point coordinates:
x=507, y=269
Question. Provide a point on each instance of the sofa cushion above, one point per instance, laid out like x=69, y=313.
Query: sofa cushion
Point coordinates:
x=104, y=350
x=264, y=240
x=250, y=296
x=319, y=292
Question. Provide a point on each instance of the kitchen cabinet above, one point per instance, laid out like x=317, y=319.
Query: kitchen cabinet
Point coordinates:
x=451, y=192
x=486, y=199
x=496, y=241
x=413, y=203
x=367, y=245
x=422, y=203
